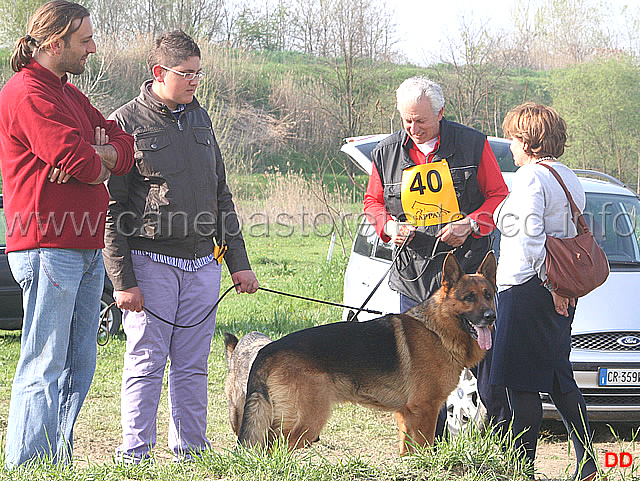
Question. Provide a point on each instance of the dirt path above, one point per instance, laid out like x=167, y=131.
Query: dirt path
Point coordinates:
x=556, y=461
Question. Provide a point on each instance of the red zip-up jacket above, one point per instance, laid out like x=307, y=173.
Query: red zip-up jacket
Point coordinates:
x=45, y=122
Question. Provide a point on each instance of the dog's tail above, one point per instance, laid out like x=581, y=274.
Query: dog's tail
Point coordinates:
x=256, y=419
x=230, y=343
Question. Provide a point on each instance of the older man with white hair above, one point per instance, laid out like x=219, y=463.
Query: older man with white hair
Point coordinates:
x=434, y=183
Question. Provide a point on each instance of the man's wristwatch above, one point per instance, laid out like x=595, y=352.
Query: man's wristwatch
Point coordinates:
x=475, y=228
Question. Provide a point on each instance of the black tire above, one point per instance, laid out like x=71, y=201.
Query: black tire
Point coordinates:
x=114, y=318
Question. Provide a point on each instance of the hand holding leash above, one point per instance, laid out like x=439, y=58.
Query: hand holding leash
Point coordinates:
x=400, y=232
x=245, y=281
x=129, y=299
x=455, y=233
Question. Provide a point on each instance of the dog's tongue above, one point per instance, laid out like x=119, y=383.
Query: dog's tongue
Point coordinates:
x=484, y=337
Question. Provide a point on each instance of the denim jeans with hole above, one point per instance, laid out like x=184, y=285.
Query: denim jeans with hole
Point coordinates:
x=61, y=290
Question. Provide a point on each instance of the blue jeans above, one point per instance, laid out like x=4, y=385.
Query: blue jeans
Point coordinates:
x=61, y=290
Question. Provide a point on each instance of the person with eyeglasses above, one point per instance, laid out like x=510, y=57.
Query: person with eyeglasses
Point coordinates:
x=188, y=76
x=168, y=225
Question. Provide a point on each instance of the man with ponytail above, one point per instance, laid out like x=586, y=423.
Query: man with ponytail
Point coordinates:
x=56, y=150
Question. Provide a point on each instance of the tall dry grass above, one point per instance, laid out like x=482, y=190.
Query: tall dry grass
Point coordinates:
x=264, y=111
x=281, y=202
x=279, y=192
x=289, y=195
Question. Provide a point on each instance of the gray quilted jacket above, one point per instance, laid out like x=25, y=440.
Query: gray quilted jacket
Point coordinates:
x=175, y=200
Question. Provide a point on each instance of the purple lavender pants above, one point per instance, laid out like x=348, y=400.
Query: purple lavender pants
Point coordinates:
x=183, y=298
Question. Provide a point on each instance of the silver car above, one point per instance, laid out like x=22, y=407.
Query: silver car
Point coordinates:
x=606, y=331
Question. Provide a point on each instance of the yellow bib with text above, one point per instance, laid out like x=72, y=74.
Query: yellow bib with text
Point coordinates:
x=428, y=196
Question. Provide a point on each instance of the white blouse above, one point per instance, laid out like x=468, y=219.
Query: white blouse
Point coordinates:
x=536, y=207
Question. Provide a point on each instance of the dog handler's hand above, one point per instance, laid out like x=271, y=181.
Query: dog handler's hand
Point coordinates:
x=562, y=304
x=399, y=231
x=248, y=281
x=456, y=232
x=130, y=299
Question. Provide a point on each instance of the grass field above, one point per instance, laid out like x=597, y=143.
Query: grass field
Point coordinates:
x=357, y=444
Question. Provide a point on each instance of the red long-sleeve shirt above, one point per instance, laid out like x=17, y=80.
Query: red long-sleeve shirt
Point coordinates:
x=490, y=182
x=47, y=122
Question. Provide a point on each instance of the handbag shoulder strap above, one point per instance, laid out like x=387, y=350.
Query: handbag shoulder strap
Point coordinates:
x=576, y=215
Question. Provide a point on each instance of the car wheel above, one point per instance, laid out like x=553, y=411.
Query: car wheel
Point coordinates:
x=114, y=317
x=464, y=404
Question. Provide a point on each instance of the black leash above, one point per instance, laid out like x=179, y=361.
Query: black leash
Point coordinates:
x=372, y=311
x=106, y=311
x=335, y=304
x=426, y=264
x=393, y=262
x=354, y=318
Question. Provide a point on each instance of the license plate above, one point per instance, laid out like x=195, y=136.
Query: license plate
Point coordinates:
x=618, y=377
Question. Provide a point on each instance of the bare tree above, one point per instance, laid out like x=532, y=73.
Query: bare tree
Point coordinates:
x=112, y=18
x=306, y=18
x=15, y=15
x=630, y=30
x=199, y=18
x=558, y=33
x=472, y=74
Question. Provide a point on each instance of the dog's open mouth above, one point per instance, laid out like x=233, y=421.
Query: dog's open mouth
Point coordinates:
x=481, y=334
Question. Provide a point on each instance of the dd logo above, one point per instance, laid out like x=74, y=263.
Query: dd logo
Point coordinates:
x=624, y=460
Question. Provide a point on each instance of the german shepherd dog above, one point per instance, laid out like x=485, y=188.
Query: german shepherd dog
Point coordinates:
x=239, y=356
x=405, y=363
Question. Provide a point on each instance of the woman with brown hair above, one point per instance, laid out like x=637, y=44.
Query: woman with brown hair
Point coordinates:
x=533, y=337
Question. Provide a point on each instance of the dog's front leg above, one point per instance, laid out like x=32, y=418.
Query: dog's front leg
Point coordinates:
x=416, y=426
x=402, y=432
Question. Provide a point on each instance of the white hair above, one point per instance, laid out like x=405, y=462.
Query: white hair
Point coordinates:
x=415, y=89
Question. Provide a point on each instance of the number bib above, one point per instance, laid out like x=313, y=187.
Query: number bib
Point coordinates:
x=428, y=196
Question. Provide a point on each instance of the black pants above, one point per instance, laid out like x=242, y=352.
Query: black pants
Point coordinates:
x=527, y=417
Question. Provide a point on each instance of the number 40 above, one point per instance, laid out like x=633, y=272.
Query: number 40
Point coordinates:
x=434, y=182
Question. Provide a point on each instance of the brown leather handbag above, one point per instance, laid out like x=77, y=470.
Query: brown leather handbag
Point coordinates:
x=577, y=265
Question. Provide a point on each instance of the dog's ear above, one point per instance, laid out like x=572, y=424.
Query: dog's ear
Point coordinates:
x=451, y=271
x=230, y=343
x=488, y=268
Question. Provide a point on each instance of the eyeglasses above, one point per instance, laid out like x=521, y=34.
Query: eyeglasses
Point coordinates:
x=189, y=76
